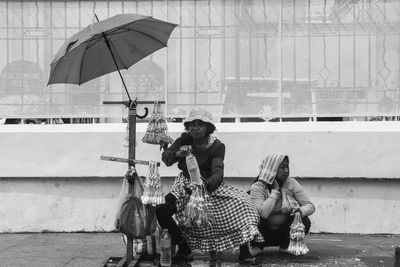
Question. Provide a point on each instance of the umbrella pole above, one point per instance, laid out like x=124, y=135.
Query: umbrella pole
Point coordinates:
x=132, y=155
x=115, y=61
x=116, y=65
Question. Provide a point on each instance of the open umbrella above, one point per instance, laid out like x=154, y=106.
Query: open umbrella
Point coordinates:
x=109, y=45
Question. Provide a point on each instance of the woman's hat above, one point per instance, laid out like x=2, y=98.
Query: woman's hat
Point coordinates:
x=199, y=114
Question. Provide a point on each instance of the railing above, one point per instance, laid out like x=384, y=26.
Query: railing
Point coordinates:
x=318, y=58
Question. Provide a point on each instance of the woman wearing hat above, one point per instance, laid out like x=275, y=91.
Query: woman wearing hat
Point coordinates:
x=267, y=192
x=235, y=219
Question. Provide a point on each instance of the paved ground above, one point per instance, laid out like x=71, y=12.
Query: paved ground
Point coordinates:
x=91, y=249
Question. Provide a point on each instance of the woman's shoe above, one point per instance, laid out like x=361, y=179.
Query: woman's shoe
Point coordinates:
x=255, y=250
x=251, y=261
x=184, y=253
x=245, y=258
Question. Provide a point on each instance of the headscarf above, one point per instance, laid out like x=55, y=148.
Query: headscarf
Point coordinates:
x=269, y=167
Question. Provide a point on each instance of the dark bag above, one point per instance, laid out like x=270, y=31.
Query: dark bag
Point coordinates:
x=134, y=219
x=148, y=246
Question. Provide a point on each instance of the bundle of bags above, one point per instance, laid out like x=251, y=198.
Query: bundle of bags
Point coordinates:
x=157, y=129
x=197, y=212
x=153, y=194
x=297, y=245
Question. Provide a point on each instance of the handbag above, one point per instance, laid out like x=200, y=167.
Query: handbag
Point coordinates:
x=134, y=219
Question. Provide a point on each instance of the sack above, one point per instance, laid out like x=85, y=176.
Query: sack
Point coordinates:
x=137, y=189
x=136, y=219
x=289, y=203
x=133, y=218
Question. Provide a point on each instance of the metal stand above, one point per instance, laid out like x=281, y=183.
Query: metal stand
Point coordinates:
x=128, y=260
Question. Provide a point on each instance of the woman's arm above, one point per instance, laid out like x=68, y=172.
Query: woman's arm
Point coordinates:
x=306, y=206
x=263, y=205
x=169, y=155
x=217, y=169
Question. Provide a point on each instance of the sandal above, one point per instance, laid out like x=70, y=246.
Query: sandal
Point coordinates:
x=252, y=261
x=255, y=250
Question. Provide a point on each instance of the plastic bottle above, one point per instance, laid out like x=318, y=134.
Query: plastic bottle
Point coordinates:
x=165, y=252
x=396, y=257
x=193, y=168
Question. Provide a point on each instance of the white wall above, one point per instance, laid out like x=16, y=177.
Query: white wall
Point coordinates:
x=52, y=178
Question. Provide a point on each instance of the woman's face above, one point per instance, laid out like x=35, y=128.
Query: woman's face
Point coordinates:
x=197, y=129
x=283, y=171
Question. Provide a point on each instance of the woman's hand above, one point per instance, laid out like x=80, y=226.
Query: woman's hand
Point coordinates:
x=182, y=152
x=163, y=145
x=296, y=210
x=205, y=182
x=276, y=186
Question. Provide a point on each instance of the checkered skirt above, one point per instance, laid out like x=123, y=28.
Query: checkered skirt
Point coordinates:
x=235, y=219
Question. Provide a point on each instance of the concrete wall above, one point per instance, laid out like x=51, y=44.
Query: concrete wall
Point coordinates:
x=52, y=178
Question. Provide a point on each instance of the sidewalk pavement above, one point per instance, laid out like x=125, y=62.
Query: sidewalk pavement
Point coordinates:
x=92, y=249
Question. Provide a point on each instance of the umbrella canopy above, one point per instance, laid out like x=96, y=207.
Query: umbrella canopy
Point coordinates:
x=107, y=46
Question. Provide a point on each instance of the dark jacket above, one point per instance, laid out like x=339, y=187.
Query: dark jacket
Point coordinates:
x=210, y=160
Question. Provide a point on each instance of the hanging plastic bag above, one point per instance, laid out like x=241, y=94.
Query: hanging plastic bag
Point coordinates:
x=133, y=218
x=289, y=203
x=297, y=245
x=122, y=195
x=197, y=212
x=157, y=129
x=153, y=193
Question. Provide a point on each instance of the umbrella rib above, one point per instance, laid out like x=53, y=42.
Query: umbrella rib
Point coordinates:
x=116, y=31
x=89, y=44
x=93, y=41
x=100, y=37
x=145, y=35
x=108, y=43
x=81, y=67
x=116, y=54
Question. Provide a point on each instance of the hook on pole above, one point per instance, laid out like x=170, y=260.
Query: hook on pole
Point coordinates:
x=146, y=112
